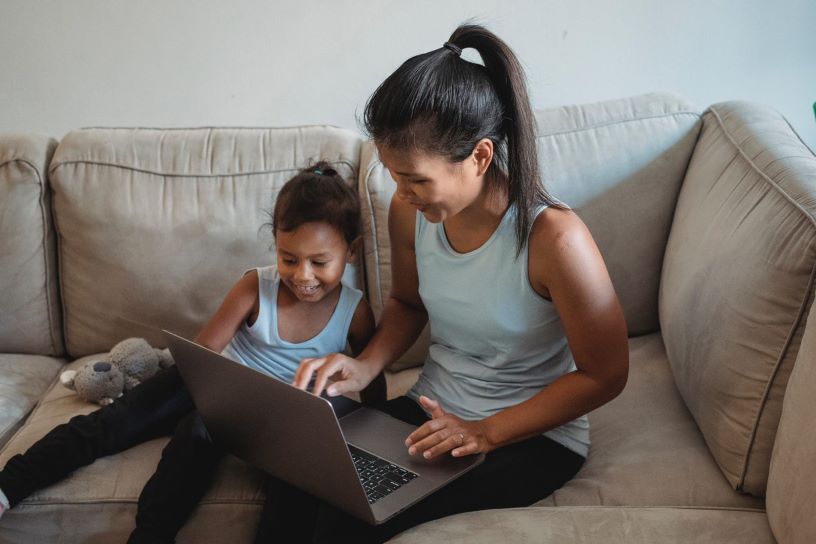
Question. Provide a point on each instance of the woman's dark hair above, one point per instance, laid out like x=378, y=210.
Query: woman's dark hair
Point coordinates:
x=438, y=102
x=318, y=194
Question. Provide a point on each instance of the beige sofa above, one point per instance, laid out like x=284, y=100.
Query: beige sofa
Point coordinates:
x=706, y=222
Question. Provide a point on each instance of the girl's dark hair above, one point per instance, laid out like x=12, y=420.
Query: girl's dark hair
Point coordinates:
x=318, y=194
x=438, y=102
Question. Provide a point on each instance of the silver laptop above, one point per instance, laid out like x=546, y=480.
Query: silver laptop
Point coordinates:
x=354, y=458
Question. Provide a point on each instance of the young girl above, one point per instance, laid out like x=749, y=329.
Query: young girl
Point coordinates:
x=270, y=320
x=527, y=334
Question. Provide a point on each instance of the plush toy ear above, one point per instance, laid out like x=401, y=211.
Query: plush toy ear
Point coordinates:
x=67, y=379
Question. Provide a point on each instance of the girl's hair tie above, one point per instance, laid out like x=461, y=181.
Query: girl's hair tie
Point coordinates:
x=317, y=171
x=453, y=48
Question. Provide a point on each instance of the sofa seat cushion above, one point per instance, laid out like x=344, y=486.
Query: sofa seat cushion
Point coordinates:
x=646, y=449
x=23, y=380
x=98, y=502
x=602, y=525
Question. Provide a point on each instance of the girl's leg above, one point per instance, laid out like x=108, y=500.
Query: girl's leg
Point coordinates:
x=184, y=474
x=150, y=410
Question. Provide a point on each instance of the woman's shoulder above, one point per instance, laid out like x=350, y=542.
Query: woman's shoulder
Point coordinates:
x=558, y=239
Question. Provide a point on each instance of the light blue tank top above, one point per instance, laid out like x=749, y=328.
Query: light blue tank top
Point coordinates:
x=260, y=346
x=495, y=342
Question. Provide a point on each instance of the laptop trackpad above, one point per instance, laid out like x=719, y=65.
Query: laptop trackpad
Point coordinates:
x=383, y=435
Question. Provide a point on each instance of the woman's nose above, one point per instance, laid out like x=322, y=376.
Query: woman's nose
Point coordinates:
x=403, y=191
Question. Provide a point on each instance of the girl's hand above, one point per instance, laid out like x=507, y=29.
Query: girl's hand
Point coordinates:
x=351, y=375
x=446, y=433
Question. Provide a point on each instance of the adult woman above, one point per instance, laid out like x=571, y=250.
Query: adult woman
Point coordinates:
x=527, y=332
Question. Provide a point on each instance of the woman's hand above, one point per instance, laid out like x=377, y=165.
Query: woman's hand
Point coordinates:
x=351, y=375
x=446, y=433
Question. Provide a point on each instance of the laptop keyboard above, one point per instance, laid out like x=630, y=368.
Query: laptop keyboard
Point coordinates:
x=378, y=476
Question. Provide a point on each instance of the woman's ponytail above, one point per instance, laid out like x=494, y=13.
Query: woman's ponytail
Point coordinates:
x=524, y=185
x=446, y=104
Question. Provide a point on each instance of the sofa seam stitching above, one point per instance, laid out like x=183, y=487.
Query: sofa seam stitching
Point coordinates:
x=43, y=245
x=807, y=297
x=620, y=122
x=374, y=223
x=339, y=160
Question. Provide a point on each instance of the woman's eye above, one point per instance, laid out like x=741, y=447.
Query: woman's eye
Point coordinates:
x=289, y=261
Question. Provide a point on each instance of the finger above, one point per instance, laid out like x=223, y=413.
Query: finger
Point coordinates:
x=324, y=373
x=299, y=371
x=430, y=441
x=431, y=406
x=454, y=441
x=424, y=430
x=469, y=448
x=306, y=369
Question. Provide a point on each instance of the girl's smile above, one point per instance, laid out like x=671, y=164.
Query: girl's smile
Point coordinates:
x=311, y=260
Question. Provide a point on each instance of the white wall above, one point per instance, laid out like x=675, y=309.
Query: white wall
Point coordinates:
x=68, y=64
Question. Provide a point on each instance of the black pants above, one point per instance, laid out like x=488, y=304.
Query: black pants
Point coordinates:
x=516, y=475
x=150, y=410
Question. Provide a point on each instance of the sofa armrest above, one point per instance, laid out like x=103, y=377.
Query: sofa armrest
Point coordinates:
x=737, y=280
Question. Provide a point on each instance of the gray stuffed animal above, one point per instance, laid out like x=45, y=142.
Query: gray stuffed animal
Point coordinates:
x=129, y=363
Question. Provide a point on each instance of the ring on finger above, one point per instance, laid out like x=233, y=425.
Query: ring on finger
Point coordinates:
x=461, y=438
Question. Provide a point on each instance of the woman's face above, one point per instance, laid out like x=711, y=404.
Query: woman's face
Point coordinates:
x=436, y=186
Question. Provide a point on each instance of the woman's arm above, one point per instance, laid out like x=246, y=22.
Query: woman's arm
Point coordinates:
x=402, y=319
x=566, y=267
x=240, y=303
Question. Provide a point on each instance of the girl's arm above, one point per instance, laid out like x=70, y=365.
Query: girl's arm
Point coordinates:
x=566, y=267
x=240, y=303
x=402, y=319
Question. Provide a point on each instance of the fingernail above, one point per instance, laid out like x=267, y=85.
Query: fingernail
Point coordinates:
x=331, y=391
x=407, y=441
x=427, y=455
x=411, y=451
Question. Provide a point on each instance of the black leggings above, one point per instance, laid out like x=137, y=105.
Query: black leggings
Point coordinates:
x=148, y=411
x=516, y=475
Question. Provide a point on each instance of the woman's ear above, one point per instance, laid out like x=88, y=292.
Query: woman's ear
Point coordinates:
x=353, y=247
x=483, y=155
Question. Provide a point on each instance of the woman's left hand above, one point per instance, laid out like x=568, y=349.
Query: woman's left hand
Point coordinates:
x=446, y=433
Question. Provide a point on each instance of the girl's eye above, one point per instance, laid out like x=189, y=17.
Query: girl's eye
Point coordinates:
x=289, y=261
x=320, y=263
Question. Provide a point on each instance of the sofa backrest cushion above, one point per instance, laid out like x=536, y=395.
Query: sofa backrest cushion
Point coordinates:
x=737, y=282
x=618, y=163
x=155, y=225
x=791, y=498
x=30, y=320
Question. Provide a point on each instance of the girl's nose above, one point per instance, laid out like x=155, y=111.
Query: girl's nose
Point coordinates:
x=303, y=272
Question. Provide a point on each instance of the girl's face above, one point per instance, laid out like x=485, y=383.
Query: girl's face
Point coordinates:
x=311, y=260
x=436, y=186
